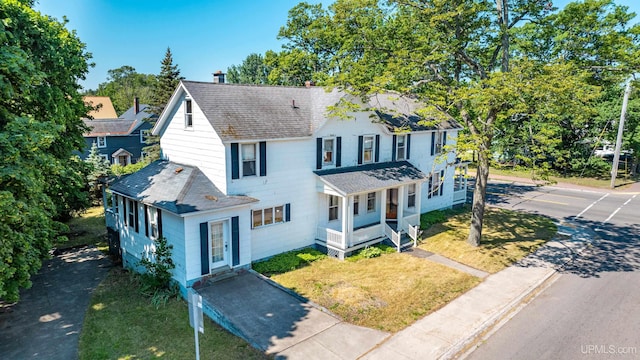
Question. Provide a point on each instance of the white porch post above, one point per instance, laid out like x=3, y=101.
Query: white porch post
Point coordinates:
x=345, y=220
x=349, y=219
x=401, y=204
x=383, y=209
x=419, y=200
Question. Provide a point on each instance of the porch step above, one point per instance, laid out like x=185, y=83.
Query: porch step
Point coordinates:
x=219, y=275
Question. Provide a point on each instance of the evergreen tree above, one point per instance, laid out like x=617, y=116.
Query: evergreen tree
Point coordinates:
x=98, y=167
x=168, y=80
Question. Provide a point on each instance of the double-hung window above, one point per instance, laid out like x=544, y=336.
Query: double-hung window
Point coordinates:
x=248, y=159
x=102, y=141
x=440, y=141
x=153, y=222
x=328, y=151
x=333, y=207
x=188, y=114
x=368, y=149
x=371, y=202
x=356, y=204
x=435, y=184
x=401, y=147
x=131, y=209
x=411, y=196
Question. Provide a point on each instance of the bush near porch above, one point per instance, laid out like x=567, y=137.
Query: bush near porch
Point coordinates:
x=507, y=237
x=387, y=292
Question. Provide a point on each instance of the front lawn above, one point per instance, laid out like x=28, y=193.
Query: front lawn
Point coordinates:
x=507, y=237
x=122, y=324
x=388, y=292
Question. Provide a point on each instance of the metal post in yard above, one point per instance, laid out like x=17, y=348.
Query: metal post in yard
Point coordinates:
x=616, y=155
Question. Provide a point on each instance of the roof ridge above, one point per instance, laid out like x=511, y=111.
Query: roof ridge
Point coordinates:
x=187, y=184
x=254, y=85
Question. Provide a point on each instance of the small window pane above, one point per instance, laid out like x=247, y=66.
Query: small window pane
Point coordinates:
x=248, y=159
x=279, y=217
x=268, y=216
x=371, y=202
x=367, y=155
x=257, y=218
x=356, y=204
x=333, y=207
x=328, y=151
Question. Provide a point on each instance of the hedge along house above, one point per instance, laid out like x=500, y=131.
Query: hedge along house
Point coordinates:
x=249, y=172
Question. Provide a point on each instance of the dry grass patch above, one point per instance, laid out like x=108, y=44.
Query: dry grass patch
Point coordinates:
x=123, y=324
x=88, y=228
x=507, y=237
x=388, y=292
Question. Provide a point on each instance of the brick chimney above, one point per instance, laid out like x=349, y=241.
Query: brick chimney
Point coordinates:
x=218, y=77
x=136, y=105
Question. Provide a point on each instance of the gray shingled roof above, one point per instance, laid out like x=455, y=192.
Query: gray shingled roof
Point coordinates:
x=400, y=112
x=359, y=179
x=179, y=189
x=255, y=112
x=252, y=112
x=104, y=127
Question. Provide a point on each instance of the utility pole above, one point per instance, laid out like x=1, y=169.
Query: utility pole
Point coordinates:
x=616, y=155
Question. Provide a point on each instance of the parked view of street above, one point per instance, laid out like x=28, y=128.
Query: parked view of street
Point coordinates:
x=592, y=310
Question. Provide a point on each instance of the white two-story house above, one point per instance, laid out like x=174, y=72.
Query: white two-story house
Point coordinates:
x=248, y=172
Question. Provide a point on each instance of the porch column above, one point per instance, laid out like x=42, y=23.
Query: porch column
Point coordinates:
x=345, y=220
x=349, y=219
x=419, y=200
x=383, y=207
x=401, y=204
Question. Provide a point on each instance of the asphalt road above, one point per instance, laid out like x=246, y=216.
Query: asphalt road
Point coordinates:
x=592, y=310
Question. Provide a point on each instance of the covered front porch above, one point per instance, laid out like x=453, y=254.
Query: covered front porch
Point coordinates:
x=368, y=204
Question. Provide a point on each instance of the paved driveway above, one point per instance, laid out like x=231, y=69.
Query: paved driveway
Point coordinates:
x=46, y=323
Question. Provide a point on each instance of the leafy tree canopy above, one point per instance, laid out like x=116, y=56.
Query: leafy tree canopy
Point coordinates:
x=40, y=125
x=124, y=84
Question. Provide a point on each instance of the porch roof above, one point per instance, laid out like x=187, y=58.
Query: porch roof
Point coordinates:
x=177, y=188
x=371, y=177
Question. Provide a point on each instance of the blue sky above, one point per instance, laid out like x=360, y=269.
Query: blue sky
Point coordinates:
x=204, y=35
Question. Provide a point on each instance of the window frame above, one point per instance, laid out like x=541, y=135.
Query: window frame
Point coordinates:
x=277, y=216
x=411, y=196
x=435, y=184
x=143, y=134
x=105, y=157
x=334, y=208
x=439, y=142
x=154, y=230
x=332, y=151
x=255, y=159
x=104, y=142
x=403, y=147
x=131, y=215
x=372, y=149
x=356, y=205
x=371, y=202
x=188, y=113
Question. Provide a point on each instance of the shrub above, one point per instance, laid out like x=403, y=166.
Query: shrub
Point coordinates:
x=372, y=252
x=288, y=261
x=156, y=280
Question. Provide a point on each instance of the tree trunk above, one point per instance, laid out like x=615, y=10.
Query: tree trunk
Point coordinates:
x=479, y=197
x=503, y=16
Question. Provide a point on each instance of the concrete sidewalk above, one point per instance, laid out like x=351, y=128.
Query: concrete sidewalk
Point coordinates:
x=450, y=330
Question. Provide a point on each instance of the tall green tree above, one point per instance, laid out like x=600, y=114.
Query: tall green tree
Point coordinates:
x=253, y=70
x=124, y=84
x=454, y=56
x=40, y=126
x=99, y=168
x=163, y=88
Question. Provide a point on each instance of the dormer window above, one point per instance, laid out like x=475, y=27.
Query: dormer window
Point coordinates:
x=188, y=114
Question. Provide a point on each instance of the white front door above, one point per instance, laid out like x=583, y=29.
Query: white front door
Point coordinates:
x=218, y=243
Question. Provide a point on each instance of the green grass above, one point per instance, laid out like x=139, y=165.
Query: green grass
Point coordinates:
x=87, y=229
x=582, y=181
x=388, y=292
x=122, y=324
x=507, y=237
x=288, y=261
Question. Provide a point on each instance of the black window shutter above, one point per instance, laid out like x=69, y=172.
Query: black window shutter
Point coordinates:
x=339, y=151
x=430, y=186
x=263, y=158
x=124, y=208
x=235, y=240
x=235, y=163
x=319, y=153
x=146, y=220
x=377, y=148
x=393, y=148
x=408, y=146
x=360, y=145
x=159, y=223
x=287, y=212
x=136, y=211
x=444, y=138
x=441, y=182
x=433, y=143
x=204, y=248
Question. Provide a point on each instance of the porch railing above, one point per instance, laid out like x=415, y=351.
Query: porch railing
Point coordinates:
x=459, y=197
x=332, y=237
x=411, y=230
x=393, y=236
x=365, y=234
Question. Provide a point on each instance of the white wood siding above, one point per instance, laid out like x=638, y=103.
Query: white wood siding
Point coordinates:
x=198, y=146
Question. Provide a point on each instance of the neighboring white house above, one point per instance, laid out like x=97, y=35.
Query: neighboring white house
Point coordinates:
x=249, y=172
